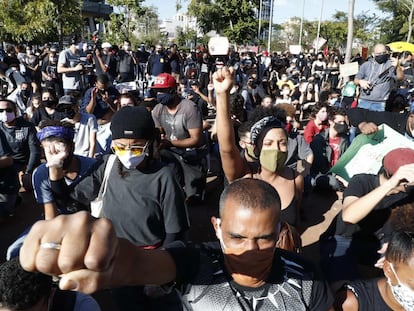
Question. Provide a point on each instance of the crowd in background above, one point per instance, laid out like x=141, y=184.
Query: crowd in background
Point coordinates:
x=136, y=128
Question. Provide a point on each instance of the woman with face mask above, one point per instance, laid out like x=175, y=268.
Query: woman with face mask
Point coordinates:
x=47, y=111
x=269, y=144
x=309, y=97
x=34, y=103
x=394, y=291
x=142, y=197
x=318, y=122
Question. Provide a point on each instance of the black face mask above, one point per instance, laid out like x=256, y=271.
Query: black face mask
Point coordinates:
x=48, y=103
x=69, y=113
x=25, y=93
x=252, y=83
x=166, y=99
x=380, y=59
x=341, y=128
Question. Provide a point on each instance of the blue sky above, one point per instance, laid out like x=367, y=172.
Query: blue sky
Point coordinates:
x=284, y=9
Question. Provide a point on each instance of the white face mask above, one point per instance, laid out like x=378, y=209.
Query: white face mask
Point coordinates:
x=402, y=293
x=130, y=161
x=333, y=101
x=7, y=116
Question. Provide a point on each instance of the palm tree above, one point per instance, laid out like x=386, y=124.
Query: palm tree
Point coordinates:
x=348, y=53
x=410, y=19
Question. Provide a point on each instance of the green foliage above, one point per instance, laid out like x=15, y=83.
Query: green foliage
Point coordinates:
x=186, y=39
x=233, y=18
x=394, y=26
x=142, y=28
x=123, y=24
x=39, y=20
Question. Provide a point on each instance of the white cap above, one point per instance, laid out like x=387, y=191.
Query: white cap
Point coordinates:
x=106, y=45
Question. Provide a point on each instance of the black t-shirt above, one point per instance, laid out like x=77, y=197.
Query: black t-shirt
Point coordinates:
x=143, y=206
x=368, y=295
x=9, y=183
x=373, y=223
x=292, y=284
x=142, y=56
x=49, y=67
x=23, y=143
x=41, y=114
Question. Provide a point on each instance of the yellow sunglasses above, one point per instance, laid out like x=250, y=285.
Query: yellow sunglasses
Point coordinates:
x=135, y=150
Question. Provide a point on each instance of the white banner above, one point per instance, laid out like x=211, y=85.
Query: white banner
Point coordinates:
x=366, y=152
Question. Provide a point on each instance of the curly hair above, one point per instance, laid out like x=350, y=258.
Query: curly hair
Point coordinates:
x=401, y=243
x=19, y=289
x=401, y=218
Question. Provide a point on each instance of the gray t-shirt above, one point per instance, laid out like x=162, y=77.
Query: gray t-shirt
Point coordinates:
x=71, y=80
x=188, y=116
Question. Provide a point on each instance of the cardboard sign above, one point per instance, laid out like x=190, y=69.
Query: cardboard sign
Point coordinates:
x=366, y=152
x=295, y=49
x=349, y=69
x=218, y=46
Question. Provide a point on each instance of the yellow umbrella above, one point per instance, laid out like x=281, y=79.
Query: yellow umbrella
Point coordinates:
x=401, y=46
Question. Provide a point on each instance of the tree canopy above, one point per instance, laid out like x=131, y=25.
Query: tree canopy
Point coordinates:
x=235, y=19
x=39, y=20
x=395, y=26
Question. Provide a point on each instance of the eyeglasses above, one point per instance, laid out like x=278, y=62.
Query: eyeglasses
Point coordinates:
x=6, y=109
x=135, y=150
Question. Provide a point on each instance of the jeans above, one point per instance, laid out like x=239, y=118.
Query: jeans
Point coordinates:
x=370, y=105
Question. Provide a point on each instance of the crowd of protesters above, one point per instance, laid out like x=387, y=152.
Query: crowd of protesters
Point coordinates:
x=128, y=134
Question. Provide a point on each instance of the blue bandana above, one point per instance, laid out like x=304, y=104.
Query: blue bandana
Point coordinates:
x=56, y=131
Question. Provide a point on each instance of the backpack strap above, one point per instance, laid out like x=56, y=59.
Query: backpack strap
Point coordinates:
x=108, y=168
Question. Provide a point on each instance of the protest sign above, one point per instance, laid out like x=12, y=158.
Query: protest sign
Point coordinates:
x=366, y=152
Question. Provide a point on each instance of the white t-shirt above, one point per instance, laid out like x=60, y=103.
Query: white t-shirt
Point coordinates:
x=83, y=130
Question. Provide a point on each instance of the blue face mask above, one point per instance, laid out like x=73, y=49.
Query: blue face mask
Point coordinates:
x=165, y=99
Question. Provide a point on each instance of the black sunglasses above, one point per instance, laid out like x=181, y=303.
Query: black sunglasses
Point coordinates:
x=6, y=109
